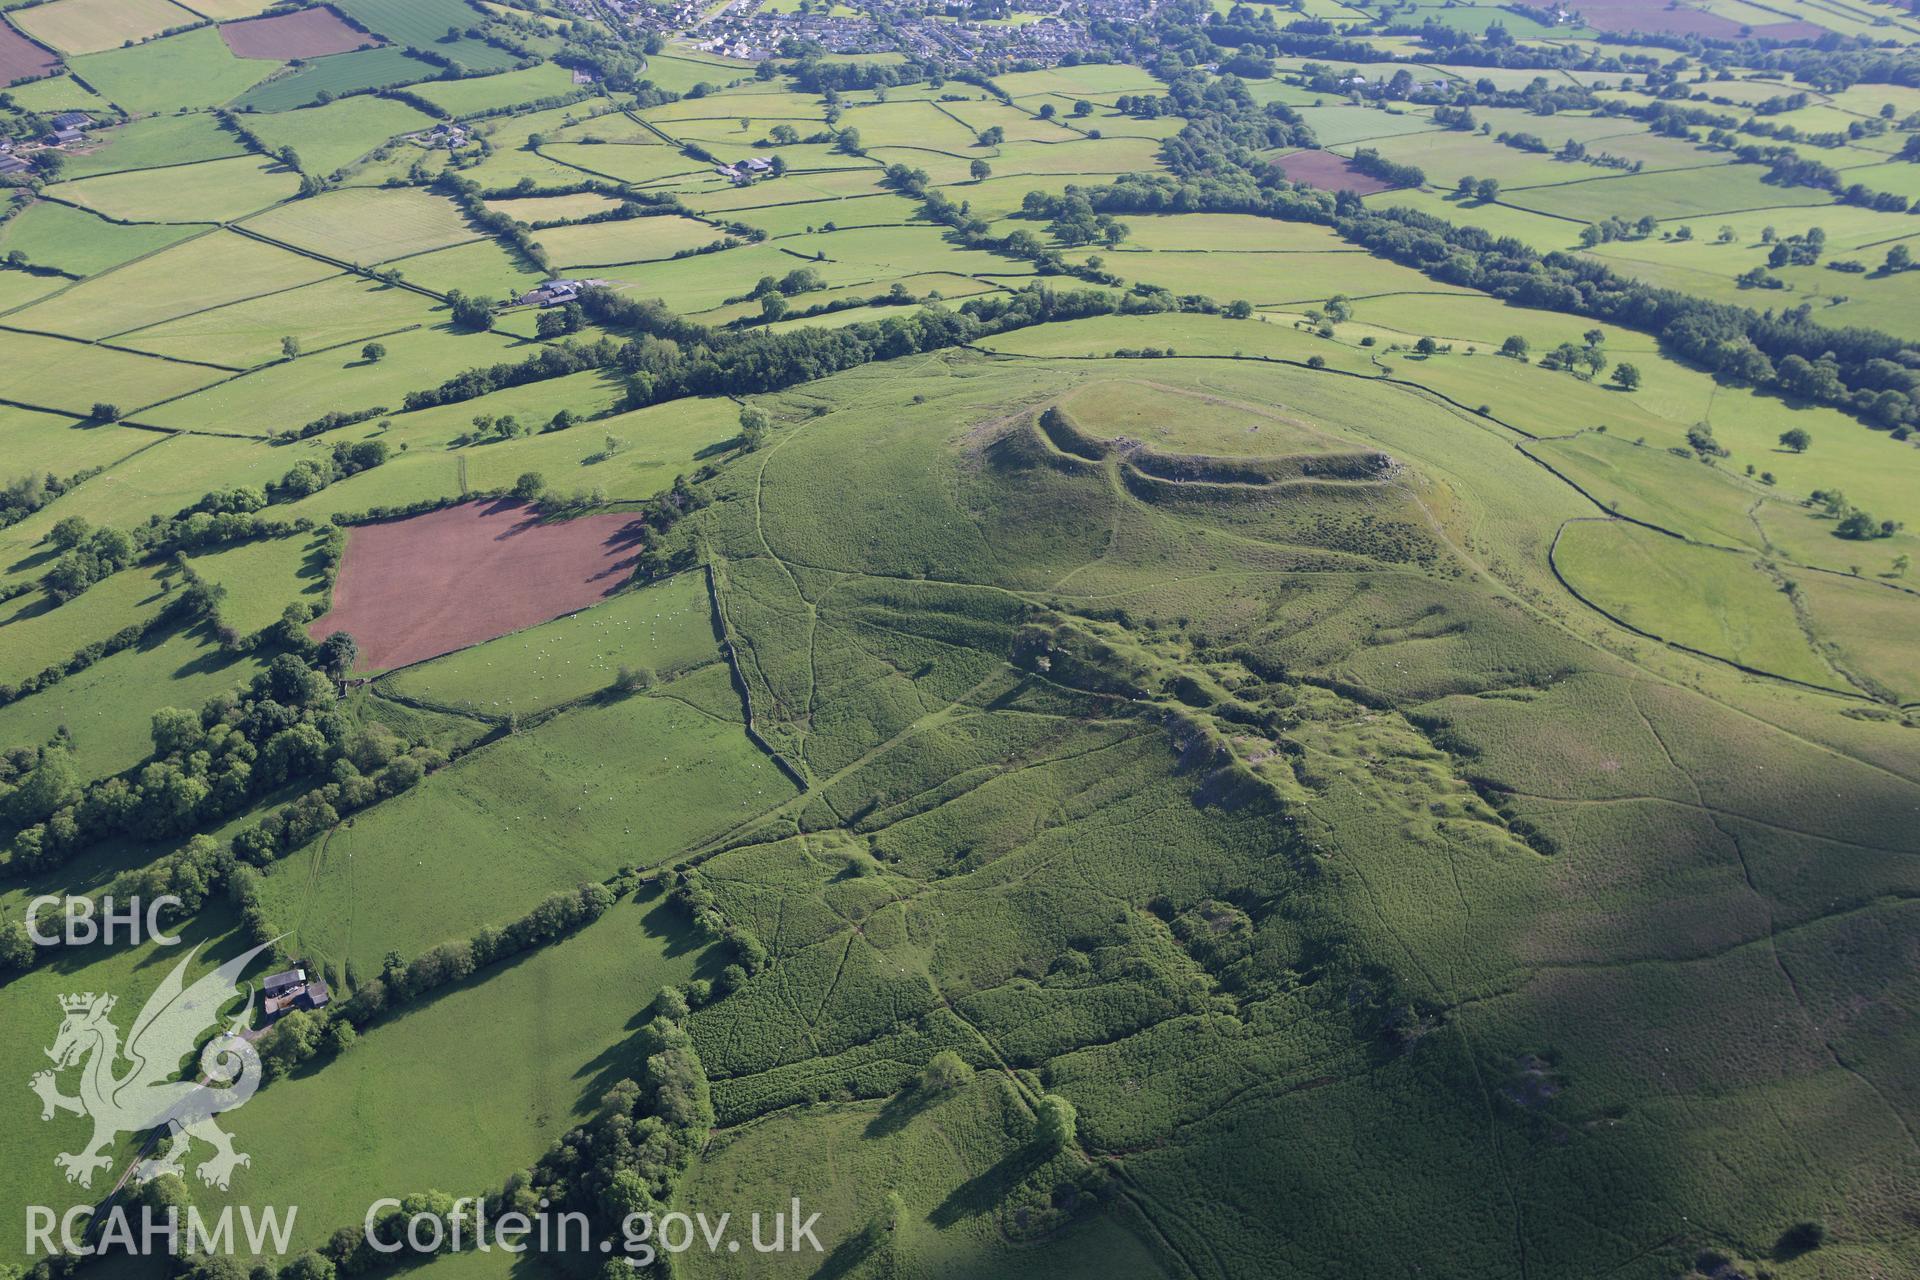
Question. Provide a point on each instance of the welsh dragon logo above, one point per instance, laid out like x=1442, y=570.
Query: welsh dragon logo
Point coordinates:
x=148, y=1094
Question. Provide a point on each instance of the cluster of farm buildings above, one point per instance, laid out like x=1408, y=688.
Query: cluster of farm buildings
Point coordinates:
x=67, y=128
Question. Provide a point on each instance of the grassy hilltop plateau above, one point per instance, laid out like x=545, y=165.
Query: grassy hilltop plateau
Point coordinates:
x=1096, y=638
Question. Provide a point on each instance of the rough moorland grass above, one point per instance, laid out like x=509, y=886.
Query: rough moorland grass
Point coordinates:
x=633, y=782
x=194, y=69
x=331, y=312
x=945, y=1157
x=1180, y=421
x=331, y=137
x=1720, y=602
x=665, y=627
x=367, y=224
x=87, y=26
x=402, y=1111
x=203, y=272
x=215, y=191
x=77, y=242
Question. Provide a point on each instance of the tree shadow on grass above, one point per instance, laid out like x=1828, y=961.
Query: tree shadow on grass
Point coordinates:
x=981, y=1193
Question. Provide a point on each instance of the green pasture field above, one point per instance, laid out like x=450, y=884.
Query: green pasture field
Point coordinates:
x=107, y=707
x=508, y=89
x=653, y=446
x=583, y=394
x=18, y=288
x=39, y=634
x=404, y=1114
x=1219, y=232
x=627, y=241
x=1268, y=279
x=261, y=578
x=367, y=225
x=1695, y=193
x=1536, y=230
x=55, y=94
x=952, y=127
x=87, y=26
x=1645, y=482
x=1445, y=156
x=161, y=480
x=194, y=69
x=664, y=627
x=332, y=137
x=1717, y=601
x=1869, y=624
x=779, y=220
x=153, y=142
x=576, y=125
x=336, y=74
x=202, y=272
x=629, y=783
x=704, y=281
x=339, y=310
x=75, y=241
x=678, y=73
x=795, y=187
x=624, y=161
x=1070, y=156
x=1088, y=78
x=1186, y=335
x=213, y=191
x=1874, y=299
x=531, y=209
x=1338, y=124
x=947, y=285
x=290, y=394
x=73, y=377
x=481, y=268
x=52, y=444
x=885, y=252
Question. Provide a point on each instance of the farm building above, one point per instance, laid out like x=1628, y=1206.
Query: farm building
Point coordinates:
x=291, y=990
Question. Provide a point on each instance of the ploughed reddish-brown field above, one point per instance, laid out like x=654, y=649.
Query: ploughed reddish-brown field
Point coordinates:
x=309, y=33
x=1329, y=172
x=21, y=57
x=426, y=585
